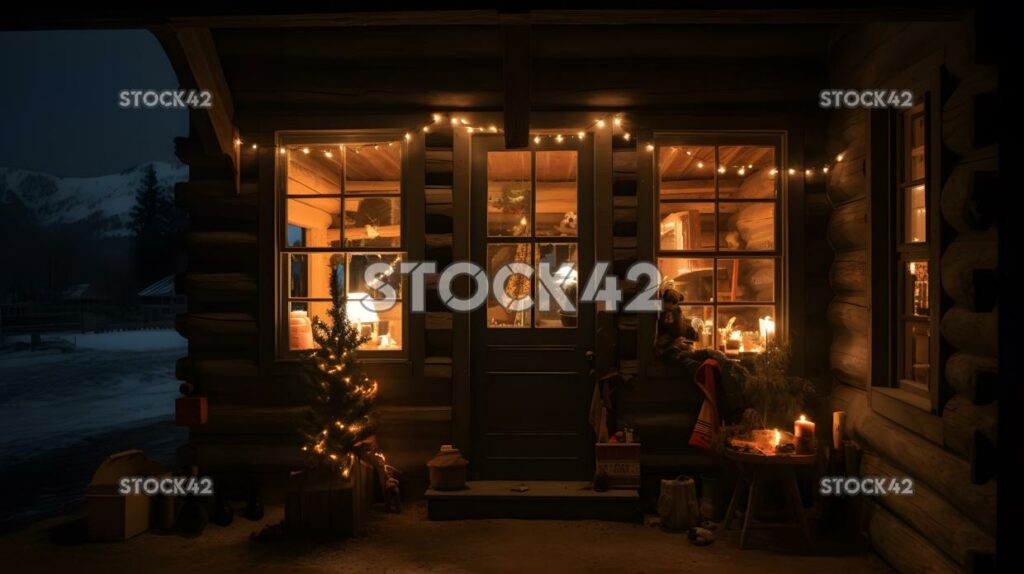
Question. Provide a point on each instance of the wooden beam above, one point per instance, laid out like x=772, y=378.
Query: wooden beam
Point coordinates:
x=194, y=57
x=515, y=37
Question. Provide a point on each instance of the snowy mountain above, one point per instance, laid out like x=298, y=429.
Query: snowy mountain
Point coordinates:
x=101, y=204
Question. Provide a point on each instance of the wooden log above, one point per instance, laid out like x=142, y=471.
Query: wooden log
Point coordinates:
x=968, y=271
x=850, y=318
x=849, y=273
x=438, y=321
x=973, y=376
x=818, y=211
x=218, y=330
x=929, y=514
x=438, y=195
x=974, y=332
x=848, y=228
x=220, y=246
x=215, y=212
x=624, y=214
x=849, y=359
x=970, y=115
x=901, y=546
x=929, y=463
x=624, y=186
x=624, y=163
x=438, y=219
x=970, y=197
x=438, y=161
x=847, y=180
x=219, y=287
x=961, y=419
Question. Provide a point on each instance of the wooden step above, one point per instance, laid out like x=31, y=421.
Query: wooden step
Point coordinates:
x=553, y=500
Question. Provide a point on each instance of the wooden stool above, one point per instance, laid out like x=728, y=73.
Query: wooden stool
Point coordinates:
x=754, y=469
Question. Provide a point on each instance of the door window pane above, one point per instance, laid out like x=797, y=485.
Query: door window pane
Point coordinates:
x=556, y=193
x=516, y=287
x=687, y=226
x=916, y=352
x=915, y=161
x=309, y=274
x=563, y=263
x=509, y=193
x=916, y=286
x=686, y=172
x=314, y=171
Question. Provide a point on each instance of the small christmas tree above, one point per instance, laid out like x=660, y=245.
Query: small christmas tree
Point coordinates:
x=340, y=427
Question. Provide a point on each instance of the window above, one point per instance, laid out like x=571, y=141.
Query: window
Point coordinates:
x=912, y=215
x=532, y=220
x=341, y=209
x=718, y=239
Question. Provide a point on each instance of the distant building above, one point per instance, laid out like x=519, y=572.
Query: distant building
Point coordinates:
x=159, y=302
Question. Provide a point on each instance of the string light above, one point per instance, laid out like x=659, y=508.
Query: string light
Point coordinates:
x=741, y=170
x=437, y=118
x=328, y=154
x=625, y=136
x=493, y=129
x=839, y=157
x=283, y=151
x=700, y=165
x=238, y=141
x=426, y=129
x=455, y=121
x=792, y=171
x=721, y=169
x=617, y=121
x=255, y=146
x=463, y=121
x=559, y=138
x=408, y=136
x=825, y=169
x=305, y=150
x=650, y=147
x=536, y=139
x=581, y=134
x=599, y=123
x=773, y=172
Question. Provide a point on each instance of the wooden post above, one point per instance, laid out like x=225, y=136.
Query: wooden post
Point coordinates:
x=515, y=34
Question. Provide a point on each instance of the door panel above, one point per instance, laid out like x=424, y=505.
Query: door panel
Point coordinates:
x=531, y=379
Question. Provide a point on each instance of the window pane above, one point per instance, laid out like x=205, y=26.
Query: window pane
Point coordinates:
x=562, y=262
x=916, y=214
x=916, y=282
x=743, y=329
x=746, y=280
x=686, y=172
x=746, y=226
x=509, y=186
x=380, y=321
x=517, y=286
x=300, y=320
x=314, y=222
x=916, y=352
x=556, y=193
x=373, y=222
x=915, y=141
x=687, y=226
x=693, y=278
x=310, y=274
x=314, y=170
x=373, y=168
x=750, y=172
x=356, y=279
x=702, y=319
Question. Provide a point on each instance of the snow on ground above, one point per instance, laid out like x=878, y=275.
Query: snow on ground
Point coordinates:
x=57, y=406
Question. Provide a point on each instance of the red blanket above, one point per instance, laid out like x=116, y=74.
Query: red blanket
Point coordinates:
x=708, y=421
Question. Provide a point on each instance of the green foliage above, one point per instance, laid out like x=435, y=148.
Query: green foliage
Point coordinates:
x=775, y=399
x=340, y=424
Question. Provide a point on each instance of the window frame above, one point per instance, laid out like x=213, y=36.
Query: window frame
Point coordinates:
x=779, y=251
x=407, y=188
x=889, y=254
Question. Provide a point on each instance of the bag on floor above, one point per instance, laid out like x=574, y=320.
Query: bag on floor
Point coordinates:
x=677, y=503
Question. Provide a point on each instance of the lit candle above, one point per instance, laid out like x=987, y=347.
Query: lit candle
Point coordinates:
x=803, y=430
x=803, y=426
x=767, y=327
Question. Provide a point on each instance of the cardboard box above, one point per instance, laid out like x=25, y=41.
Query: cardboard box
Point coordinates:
x=620, y=462
x=113, y=516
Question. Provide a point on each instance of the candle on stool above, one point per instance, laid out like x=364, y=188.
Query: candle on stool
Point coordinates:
x=803, y=430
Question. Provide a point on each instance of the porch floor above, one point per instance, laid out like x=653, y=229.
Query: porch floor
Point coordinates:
x=409, y=543
x=539, y=499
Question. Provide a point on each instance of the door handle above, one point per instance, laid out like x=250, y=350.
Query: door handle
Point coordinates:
x=590, y=356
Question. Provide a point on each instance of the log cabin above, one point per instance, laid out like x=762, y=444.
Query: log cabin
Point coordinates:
x=693, y=139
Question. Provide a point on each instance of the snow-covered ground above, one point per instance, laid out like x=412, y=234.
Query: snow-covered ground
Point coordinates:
x=114, y=391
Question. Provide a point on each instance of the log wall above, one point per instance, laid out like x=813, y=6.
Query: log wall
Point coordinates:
x=950, y=524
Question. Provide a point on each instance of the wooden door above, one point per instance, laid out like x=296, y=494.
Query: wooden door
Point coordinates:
x=531, y=370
